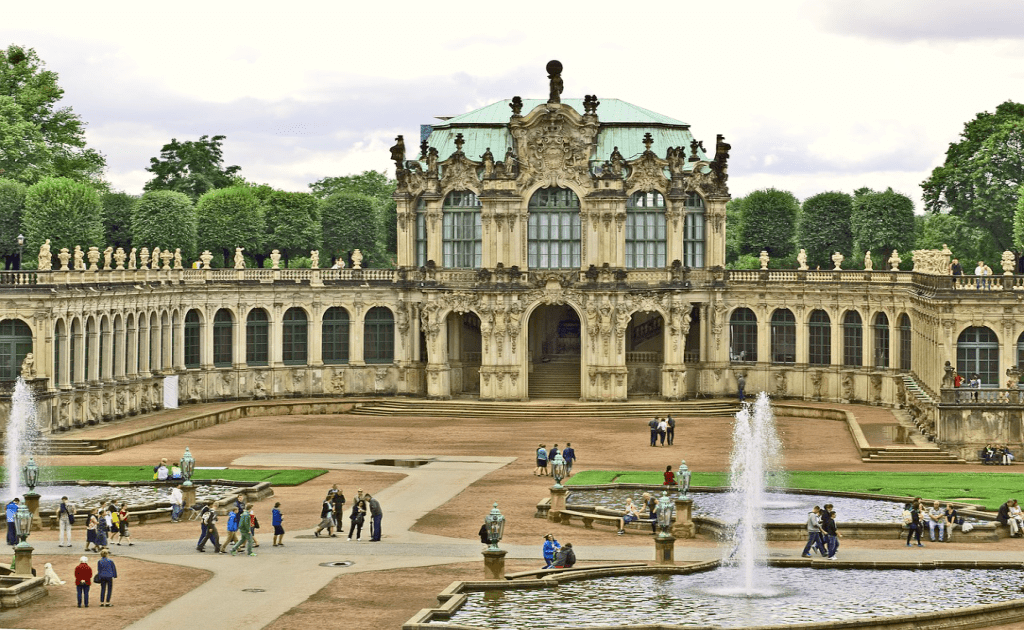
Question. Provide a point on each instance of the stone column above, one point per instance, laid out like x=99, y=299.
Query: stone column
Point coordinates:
x=664, y=549
x=23, y=560
x=557, y=503
x=315, y=327
x=494, y=564
x=188, y=494
x=682, y=526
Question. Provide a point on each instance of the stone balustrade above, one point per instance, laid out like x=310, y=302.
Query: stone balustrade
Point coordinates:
x=982, y=396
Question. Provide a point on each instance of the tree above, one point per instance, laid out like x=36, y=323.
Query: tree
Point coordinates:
x=165, y=219
x=229, y=218
x=37, y=138
x=193, y=168
x=824, y=227
x=117, y=219
x=980, y=178
x=967, y=243
x=293, y=223
x=733, y=225
x=351, y=221
x=66, y=211
x=882, y=222
x=374, y=184
x=768, y=222
x=12, y=204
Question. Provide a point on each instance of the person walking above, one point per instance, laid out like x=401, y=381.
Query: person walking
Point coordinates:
x=813, y=533
x=12, y=511
x=653, y=426
x=662, y=430
x=65, y=518
x=912, y=519
x=106, y=571
x=208, y=518
x=245, y=532
x=569, y=455
x=102, y=530
x=276, y=519
x=542, y=461
x=254, y=525
x=548, y=551
x=90, y=530
x=326, y=518
x=83, y=580
x=671, y=431
x=176, y=503
x=357, y=517
x=376, y=514
x=233, y=517
x=339, y=509
x=741, y=384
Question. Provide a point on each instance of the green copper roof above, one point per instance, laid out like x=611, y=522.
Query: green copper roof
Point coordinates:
x=611, y=110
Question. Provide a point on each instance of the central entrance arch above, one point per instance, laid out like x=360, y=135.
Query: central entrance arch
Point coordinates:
x=553, y=352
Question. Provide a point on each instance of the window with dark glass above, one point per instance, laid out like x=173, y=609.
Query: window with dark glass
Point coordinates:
x=421, y=232
x=905, y=343
x=257, y=337
x=853, y=340
x=223, y=335
x=554, y=229
x=59, y=339
x=379, y=336
x=461, y=230
x=783, y=330
x=334, y=336
x=15, y=343
x=193, y=334
x=881, y=329
x=294, y=338
x=819, y=346
x=693, y=232
x=977, y=352
x=645, y=230
x=743, y=335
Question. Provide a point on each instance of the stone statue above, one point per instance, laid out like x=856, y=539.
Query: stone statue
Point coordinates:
x=949, y=372
x=94, y=258
x=154, y=259
x=177, y=258
x=64, y=257
x=275, y=259
x=554, y=69
x=837, y=258
x=108, y=253
x=868, y=264
x=144, y=258
x=357, y=259
x=510, y=162
x=1008, y=263
x=314, y=259
x=802, y=259
x=398, y=153
x=119, y=257
x=206, y=257
x=616, y=162
x=28, y=367
x=131, y=259
x=895, y=260
x=763, y=258
x=432, y=158
x=488, y=159
x=79, y=259
x=516, y=106
x=239, y=258
x=45, y=259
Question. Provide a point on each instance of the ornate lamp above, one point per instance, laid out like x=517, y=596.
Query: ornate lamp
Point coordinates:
x=23, y=524
x=558, y=469
x=188, y=466
x=684, y=478
x=495, y=523
x=664, y=514
x=31, y=473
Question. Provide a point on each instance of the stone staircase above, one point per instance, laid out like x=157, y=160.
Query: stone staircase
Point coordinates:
x=919, y=451
x=549, y=409
x=67, y=446
x=559, y=378
x=915, y=390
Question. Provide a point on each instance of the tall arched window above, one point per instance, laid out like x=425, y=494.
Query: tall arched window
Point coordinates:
x=75, y=355
x=783, y=336
x=905, y=343
x=693, y=232
x=421, y=232
x=645, y=230
x=193, y=337
x=15, y=343
x=91, y=341
x=223, y=336
x=334, y=335
x=60, y=338
x=554, y=229
x=461, y=230
x=743, y=335
x=853, y=339
x=819, y=338
x=881, y=328
x=257, y=337
x=379, y=336
x=294, y=337
x=977, y=352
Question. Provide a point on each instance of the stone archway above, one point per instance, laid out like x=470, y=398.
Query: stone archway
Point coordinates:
x=645, y=343
x=554, y=349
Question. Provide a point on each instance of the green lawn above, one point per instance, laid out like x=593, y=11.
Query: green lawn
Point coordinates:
x=145, y=473
x=988, y=489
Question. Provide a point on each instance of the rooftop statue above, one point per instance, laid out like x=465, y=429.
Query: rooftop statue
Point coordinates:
x=554, y=69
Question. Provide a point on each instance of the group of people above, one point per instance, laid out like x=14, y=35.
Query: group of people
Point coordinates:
x=940, y=521
x=556, y=556
x=105, y=574
x=333, y=510
x=663, y=429
x=242, y=525
x=634, y=512
x=163, y=472
x=1010, y=515
x=545, y=456
x=998, y=454
x=822, y=533
x=103, y=522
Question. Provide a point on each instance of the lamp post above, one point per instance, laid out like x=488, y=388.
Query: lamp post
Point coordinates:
x=558, y=470
x=23, y=551
x=494, y=558
x=30, y=472
x=664, y=542
x=188, y=467
x=21, y=248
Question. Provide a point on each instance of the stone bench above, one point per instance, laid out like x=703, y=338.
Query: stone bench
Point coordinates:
x=588, y=518
x=589, y=567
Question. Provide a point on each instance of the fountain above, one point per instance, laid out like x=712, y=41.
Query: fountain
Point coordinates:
x=23, y=439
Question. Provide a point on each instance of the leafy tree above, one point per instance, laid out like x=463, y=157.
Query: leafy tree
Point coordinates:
x=37, y=138
x=882, y=222
x=733, y=223
x=117, y=218
x=351, y=221
x=193, y=168
x=768, y=222
x=65, y=211
x=165, y=219
x=824, y=227
x=12, y=204
x=229, y=218
x=980, y=178
x=374, y=184
x=293, y=223
x=969, y=244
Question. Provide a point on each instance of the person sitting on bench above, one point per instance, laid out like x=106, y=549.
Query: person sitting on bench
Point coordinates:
x=630, y=515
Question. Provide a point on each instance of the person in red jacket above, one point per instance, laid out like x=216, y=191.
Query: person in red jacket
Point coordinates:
x=83, y=580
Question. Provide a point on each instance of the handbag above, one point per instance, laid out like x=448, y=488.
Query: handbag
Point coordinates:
x=71, y=518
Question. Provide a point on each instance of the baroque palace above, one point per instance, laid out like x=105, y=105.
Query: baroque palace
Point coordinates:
x=566, y=248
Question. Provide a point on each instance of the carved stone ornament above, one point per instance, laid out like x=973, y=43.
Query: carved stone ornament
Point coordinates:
x=555, y=144
x=647, y=173
x=459, y=173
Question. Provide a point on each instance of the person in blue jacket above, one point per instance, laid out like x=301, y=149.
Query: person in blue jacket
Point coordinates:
x=276, y=519
x=551, y=546
x=105, y=574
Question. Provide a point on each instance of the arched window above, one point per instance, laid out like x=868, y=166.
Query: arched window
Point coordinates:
x=881, y=340
x=379, y=336
x=421, y=232
x=554, y=229
x=743, y=335
x=819, y=338
x=257, y=337
x=461, y=230
x=60, y=338
x=693, y=232
x=223, y=334
x=645, y=230
x=783, y=336
x=977, y=352
x=193, y=337
x=116, y=347
x=905, y=343
x=131, y=353
x=294, y=333
x=853, y=340
x=1020, y=351
x=334, y=334
x=75, y=356
x=15, y=343
x=91, y=340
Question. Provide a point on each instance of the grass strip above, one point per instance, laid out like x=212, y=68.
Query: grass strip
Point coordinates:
x=145, y=473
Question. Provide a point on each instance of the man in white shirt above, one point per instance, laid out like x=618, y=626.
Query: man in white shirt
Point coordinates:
x=979, y=271
x=176, y=501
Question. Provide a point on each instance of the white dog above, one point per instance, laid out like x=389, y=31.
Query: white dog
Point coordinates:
x=50, y=576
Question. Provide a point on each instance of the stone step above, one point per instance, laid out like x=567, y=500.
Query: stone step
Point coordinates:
x=628, y=410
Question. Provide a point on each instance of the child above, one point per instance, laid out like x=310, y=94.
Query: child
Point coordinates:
x=275, y=520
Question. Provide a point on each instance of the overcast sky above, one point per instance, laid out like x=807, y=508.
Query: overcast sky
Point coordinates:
x=812, y=95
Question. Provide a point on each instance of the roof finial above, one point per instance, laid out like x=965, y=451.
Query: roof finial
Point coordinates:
x=554, y=69
x=648, y=141
x=459, y=141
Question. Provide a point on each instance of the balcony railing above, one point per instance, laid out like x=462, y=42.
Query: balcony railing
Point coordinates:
x=983, y=396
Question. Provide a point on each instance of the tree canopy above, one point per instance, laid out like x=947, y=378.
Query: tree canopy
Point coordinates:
x=351, y=221
x=37, y=138
x=65, y=211
x=229, y=218
x=882, y=222
x=117, y=218
x=768, y=222
x=374, y=184
x=191, y=167
x=165, y=219
x=293, y=223
x=12, y=205
x=968, y=243
x=824, y=227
